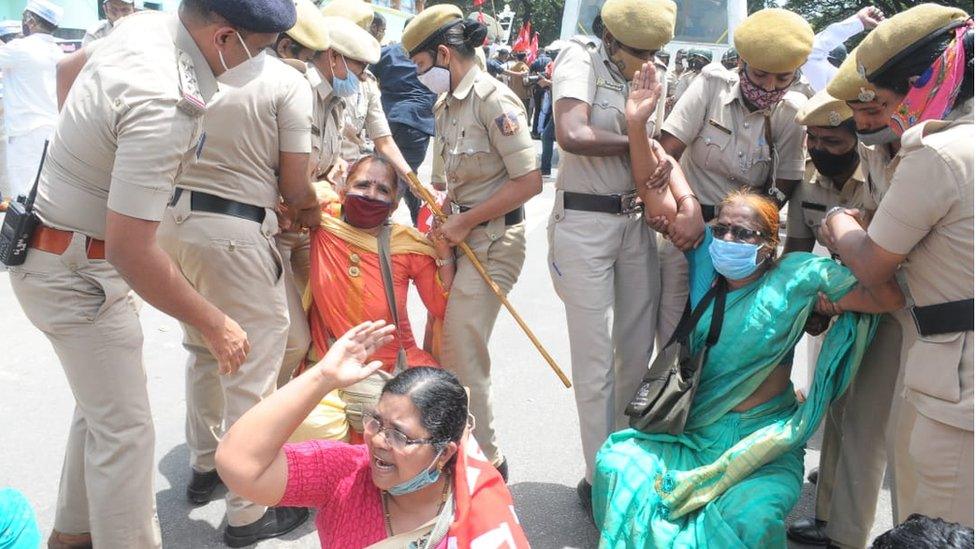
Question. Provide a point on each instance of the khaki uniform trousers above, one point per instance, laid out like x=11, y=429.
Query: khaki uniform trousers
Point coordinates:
x=941, y=461
x=85, y=309
x=295, y=249
x=858, y=442
x=604, y=268
x=471, y=312
x=674, y=289
x=233, y=263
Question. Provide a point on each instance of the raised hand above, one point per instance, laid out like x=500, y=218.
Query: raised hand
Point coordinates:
x=346, y=362
x=645, y=91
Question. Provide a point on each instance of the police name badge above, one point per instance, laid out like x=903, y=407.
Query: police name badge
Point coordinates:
x=191, y=100
x=603, y=83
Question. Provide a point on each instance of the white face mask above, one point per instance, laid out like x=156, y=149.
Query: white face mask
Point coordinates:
x=437, y=79
x=220, y=53
x=239, y=75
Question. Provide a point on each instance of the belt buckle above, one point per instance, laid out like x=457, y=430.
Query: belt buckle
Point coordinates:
x=629, y=204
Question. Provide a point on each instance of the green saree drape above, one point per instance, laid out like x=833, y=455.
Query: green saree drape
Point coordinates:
x=730, y=479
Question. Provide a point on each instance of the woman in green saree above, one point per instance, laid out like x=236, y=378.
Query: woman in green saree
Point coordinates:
x=731, y=477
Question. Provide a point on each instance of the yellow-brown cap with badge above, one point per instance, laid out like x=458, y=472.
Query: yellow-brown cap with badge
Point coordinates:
x=357, y=11
x=774, y=40
x=640, y=24
x=848, y=85
x=429, y=24
x=895, y=38
x=310, y=28
x=824, y=110
x=352, y=41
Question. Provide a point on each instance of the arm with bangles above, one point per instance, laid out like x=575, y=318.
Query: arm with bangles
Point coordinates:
x=658, y=180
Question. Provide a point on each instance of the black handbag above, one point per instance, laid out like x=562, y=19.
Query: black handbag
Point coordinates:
x=664, y=398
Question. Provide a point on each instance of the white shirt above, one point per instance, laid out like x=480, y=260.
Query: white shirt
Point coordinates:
x=29, y=83
x=817, y=69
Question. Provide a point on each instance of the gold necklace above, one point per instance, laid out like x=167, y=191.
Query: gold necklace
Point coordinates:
x=384, y=495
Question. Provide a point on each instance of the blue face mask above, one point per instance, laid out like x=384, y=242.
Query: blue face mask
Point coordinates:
x=345, y=87
x=421, y=480
x=734, y=260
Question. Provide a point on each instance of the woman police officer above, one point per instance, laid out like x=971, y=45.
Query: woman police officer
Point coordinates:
x=486, y=157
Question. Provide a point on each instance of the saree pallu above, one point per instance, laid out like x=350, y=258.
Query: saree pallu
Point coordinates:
x=731, y=478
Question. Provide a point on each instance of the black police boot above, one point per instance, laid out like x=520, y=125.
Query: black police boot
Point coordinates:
x=277, y=521
x=809, y=531
x=201, y=487
x=814, y=475
x=585, y=492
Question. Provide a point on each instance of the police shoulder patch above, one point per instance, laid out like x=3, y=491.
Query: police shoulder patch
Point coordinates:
x=508, y=123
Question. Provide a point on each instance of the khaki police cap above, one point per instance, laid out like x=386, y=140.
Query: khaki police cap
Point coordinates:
x=902, y=34
x=848, y=85
x=429, y=23
x=352, y=41
x=824, y=110
x=640, y=24
x=357, y=11
x=310, y=27
x=774, y=40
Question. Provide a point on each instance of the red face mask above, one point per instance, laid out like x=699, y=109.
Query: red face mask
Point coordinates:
x=363, y=212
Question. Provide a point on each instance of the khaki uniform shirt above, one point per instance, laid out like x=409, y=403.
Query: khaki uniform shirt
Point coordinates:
x=130, y=125
x=683, y=82
x=327, y=116
x=815, y=196
x=264, y=107
x=725, y=144
x=96, y=31
x=874, y=162
x=927, y=214
x=584, y=72
x=482, y=139
x=364, y=113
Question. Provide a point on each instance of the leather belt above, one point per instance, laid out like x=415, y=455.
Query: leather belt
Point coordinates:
x=944, y=318
x=55, y=241
x=203, y=202
x=619, y=204
x=513, y=217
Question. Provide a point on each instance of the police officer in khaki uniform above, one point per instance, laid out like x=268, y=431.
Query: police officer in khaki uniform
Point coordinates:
x=925, y=223
x=485, y=155
x=697, y=58
x=858, y=442
x=219, y=230
x=340, y=66
x=131, y=124
x=114, y=10
x=602, y=256
x=734, y=129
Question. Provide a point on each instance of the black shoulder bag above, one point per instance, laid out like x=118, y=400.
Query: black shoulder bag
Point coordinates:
x=664, y=398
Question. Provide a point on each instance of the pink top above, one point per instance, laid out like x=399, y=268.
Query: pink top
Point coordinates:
x=334, y=477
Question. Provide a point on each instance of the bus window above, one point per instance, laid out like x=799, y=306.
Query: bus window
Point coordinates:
x=698, y=21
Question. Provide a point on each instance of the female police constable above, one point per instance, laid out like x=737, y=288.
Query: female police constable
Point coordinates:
x=739, y=130
x=601, y=254
x=484, y=152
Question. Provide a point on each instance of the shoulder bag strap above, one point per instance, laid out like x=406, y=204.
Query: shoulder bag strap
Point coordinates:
x=718, y=312
x=386, y=269
x=690, y=318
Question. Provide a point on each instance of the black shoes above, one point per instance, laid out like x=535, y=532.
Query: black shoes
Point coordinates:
x=585, y=492
x=503, y=469
x=201, y=487
x=809, y=531
x=277, y=521
x=813, y=475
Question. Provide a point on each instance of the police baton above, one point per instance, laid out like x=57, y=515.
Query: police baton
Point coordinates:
x=424, y=194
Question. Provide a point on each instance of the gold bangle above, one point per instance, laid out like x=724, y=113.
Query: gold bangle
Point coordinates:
x=685, y=197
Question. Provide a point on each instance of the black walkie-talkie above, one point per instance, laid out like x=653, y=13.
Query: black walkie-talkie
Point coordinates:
x=19, y=224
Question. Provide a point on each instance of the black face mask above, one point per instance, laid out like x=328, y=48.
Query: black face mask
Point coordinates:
x=830, y=165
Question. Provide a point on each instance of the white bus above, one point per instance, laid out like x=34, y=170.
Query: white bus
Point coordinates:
x=700, y=23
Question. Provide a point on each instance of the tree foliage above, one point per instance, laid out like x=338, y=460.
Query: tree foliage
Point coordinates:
x=821, y=13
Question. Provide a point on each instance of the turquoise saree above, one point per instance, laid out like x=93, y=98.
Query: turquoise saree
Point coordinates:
x=730, y=479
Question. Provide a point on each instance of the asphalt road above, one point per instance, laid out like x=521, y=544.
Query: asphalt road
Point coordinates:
x=536, y=417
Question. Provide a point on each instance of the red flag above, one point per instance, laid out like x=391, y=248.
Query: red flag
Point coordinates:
x=533, y=48
x=523, y=41
x=478, y=3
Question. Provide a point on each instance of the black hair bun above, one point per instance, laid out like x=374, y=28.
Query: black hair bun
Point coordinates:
x=475, y=33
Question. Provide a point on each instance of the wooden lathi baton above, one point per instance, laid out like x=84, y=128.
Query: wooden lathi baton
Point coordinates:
x=424, y=194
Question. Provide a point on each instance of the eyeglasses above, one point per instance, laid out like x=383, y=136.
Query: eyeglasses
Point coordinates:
x=739, y=233
x=373, y=424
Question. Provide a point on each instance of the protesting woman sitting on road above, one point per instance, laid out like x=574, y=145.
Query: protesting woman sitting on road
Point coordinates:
x=419, y=481
x=735, y=471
